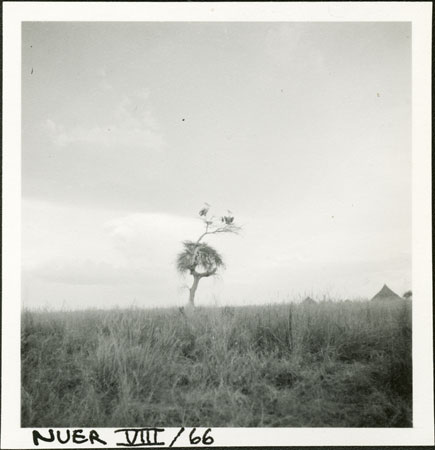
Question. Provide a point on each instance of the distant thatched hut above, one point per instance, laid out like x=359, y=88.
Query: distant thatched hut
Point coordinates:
x=386, y=294
x=309, y=301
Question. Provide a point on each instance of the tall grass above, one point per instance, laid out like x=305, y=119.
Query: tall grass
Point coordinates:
x=326, y=365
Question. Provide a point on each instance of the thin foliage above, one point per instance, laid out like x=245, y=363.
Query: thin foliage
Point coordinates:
x=201, y=256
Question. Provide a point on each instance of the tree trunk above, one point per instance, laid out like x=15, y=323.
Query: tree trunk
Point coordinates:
x=193, y=290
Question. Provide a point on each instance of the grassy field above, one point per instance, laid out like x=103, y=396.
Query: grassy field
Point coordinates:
x=334, y=364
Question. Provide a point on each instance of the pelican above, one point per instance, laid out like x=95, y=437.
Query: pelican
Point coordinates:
x=204, y=210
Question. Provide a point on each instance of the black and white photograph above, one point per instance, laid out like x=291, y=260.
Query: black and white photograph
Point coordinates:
x=217, y=224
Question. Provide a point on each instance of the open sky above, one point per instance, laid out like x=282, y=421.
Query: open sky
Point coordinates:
x=303, y=130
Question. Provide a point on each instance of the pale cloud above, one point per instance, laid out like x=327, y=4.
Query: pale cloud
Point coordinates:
x=122, y=135
x=151, y=239
x=131, y=257
x=133, y=125
x=134, y=111
x=56, y=232
x=88, y=272
x=126, y=250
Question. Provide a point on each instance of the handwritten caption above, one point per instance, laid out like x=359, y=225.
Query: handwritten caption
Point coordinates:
x=125, y=437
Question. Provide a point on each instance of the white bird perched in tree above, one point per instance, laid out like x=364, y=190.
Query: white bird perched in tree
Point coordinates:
x=228, y=219
x=204, y=210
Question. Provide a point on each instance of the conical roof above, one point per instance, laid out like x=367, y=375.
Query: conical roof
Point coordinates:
x=386, y=294
x=309, y=301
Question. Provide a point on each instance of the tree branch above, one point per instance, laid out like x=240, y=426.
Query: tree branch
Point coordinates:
x=227, y=228
x=204, y=274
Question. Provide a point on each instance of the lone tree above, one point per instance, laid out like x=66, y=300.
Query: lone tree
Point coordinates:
x=200, y=259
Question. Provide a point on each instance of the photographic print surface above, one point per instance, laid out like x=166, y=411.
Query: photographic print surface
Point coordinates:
x=216, y=224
